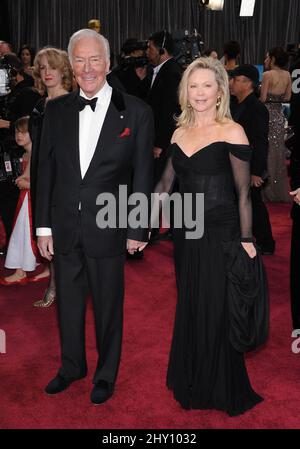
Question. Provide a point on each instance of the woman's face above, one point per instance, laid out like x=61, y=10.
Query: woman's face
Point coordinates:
x=214, y=54
x=22, y=137
x=26, y=56
x=203, y=90
x=50, y=77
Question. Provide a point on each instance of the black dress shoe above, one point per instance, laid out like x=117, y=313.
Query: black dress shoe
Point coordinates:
x=102, y=391
x=59, y=384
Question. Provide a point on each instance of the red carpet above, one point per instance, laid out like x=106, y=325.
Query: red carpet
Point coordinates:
x=141, y=399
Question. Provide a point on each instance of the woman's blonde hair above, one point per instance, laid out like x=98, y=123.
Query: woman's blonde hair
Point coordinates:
x=187, y=116
x=57, y=59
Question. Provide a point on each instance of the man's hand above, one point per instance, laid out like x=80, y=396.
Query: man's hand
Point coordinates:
x=45, y=245
x=157, y=152
x=5, y=124
x=256, y=181
x=135, y=245
x=296, y=195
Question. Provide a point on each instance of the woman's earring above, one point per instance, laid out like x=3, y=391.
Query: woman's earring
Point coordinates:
x=218, y=102
x=189, y=105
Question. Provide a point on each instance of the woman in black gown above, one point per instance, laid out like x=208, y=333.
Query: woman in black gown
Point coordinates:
x=209, y=153
x=53, y=77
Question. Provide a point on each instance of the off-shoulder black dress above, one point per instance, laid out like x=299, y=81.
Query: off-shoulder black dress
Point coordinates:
x=206, y=367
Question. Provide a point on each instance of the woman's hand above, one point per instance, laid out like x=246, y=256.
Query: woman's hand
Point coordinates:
x=250, y=249
x=22, y=183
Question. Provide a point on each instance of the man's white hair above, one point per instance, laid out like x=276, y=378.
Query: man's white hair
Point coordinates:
x=87, y=33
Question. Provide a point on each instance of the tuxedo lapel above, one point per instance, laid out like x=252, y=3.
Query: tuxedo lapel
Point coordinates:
x=113, y=125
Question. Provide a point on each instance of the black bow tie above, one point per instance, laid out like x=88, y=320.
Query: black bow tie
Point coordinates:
x=83, y=102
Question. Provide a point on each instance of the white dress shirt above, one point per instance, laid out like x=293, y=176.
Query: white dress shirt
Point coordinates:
x=156, y=70
x=90, y=126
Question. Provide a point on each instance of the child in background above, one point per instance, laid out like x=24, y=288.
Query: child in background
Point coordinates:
x=22, y=251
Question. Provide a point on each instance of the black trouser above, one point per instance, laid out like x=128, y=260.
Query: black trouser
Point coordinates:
x=261, y=226
x=9, y=194
x=295, y=268
x=76, y=275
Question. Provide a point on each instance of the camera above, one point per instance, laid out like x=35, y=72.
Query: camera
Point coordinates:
x=10, y=161
x=131, y=45
x=187, y=46
x=6, y=72
x=128, y=58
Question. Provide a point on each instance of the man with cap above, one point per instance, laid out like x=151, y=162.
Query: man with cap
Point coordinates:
x=250, y=113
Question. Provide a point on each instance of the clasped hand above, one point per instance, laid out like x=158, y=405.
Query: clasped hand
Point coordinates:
x=250, y=249
x=22, y=183
x=256, y=181
x=135, y=245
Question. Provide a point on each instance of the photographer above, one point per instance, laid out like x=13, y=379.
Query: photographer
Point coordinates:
x=163, y=94
x=18, y=102
x=133, y=70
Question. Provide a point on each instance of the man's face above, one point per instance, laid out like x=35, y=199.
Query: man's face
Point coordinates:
x=152, y=53
x=240, y=85
x=90, y=65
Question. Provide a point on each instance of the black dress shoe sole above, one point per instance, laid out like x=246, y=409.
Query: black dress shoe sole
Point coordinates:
x=62, y=388
x=106, y=393
x=102, y=402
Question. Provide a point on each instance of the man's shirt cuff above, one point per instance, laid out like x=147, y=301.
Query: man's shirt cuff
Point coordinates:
x=42, y=232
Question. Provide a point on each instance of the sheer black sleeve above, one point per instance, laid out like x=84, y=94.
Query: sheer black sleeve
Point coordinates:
x=164, y=186
x=240, y=162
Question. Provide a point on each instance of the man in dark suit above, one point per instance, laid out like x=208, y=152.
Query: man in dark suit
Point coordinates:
x=163, y=99
x=253, y=116
x=93, y=142
x=163, y=94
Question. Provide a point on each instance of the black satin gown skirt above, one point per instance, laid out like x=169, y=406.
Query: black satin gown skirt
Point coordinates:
x=206, y=367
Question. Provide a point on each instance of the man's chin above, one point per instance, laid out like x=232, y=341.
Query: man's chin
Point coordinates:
x=89, y=89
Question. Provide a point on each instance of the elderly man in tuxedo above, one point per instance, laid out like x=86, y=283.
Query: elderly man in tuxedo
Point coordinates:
x=93, y=141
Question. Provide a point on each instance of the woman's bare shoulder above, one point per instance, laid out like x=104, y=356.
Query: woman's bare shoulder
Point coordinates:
x=178, y=133
x=234, y=133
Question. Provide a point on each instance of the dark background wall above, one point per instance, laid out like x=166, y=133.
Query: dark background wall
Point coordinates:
x=51, y=22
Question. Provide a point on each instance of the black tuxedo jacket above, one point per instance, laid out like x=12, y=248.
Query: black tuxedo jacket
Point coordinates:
x=123, y=156
x=253, y=116
x=163, y=99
